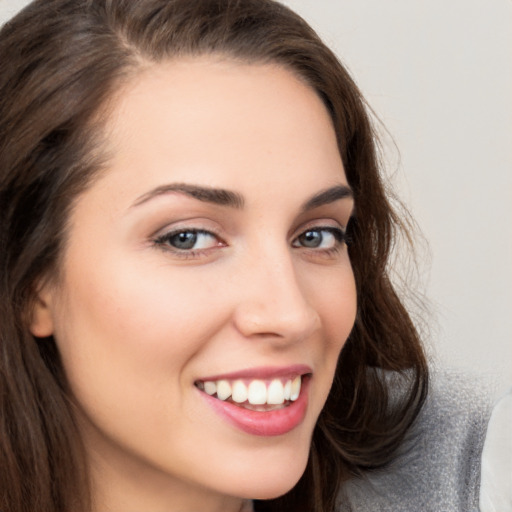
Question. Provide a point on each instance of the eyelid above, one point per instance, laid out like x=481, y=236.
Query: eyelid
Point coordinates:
x=203, y=225
x=333, y=230
x=161, y=238
x=318, y=224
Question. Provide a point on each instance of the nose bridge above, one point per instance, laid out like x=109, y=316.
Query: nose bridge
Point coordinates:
x=273, y=302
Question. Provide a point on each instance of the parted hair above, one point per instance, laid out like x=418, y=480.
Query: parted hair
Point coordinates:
x=61, y=62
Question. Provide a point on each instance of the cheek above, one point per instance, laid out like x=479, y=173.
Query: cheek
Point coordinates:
x=132, y=305
x=333, y=293
x=121, y=326
x=336, y=303
x=127, y=336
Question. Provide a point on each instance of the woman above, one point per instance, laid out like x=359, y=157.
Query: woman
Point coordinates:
x=194, y=228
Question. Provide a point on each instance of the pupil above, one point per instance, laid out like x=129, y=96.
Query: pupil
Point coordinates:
x=311, y=239
x=185, y=240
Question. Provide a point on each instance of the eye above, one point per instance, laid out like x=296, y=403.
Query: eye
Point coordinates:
x=189, y=240
x=320, y=238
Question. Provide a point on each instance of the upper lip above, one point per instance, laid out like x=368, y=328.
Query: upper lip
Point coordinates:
x=262, y=372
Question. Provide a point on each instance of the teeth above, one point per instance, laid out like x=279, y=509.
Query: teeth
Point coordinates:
x=210, y=387
x=288, y=390
x=223, y=389
x=275, y=394
x=295, y=388
x=258, y=392
x=239, y=392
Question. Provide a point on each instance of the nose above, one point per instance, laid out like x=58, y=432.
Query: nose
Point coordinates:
x=273, y=303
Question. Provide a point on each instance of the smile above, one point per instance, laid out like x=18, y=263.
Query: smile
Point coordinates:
x=256, y=394
x=262, y=402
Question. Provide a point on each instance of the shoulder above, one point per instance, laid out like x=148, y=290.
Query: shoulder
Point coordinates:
x=439, y=465
x=496, y=484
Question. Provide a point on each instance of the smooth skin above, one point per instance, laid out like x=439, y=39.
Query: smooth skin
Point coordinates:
x=159, y=288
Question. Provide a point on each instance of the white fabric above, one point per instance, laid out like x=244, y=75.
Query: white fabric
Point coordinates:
x=496, y=480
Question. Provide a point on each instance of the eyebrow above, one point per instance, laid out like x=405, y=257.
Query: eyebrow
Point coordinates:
x=207, y=194
x=232, y=199
x=327, y=196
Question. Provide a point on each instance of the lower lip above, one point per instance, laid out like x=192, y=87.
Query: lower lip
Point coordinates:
x=263, y=423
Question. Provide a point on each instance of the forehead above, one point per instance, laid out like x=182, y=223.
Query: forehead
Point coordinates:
x=223, y=122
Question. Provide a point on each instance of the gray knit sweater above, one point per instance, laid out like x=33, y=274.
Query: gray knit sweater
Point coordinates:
x=439, y=468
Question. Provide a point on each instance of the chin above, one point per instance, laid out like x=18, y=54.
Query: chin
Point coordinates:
x=273, y=491
x=267, y=480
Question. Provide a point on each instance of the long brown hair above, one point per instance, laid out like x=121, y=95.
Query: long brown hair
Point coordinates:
x=60, y=62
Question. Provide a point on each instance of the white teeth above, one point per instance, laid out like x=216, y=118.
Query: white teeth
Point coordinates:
x=275, y=393
x=288, y=390
x=295, y=390
x=210, y=387
x=240, y=393
x=257, y=392
x=223, y=389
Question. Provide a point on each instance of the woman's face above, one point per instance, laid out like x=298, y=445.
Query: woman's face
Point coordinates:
x=208, y=260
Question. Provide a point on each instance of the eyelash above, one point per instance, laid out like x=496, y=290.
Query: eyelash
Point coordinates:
x=339, y=235
x=164, y=241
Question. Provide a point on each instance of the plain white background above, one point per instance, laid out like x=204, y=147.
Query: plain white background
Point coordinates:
x=439, y=76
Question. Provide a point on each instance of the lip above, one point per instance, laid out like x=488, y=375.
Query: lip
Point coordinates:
x=263, y=372
x=263, y=423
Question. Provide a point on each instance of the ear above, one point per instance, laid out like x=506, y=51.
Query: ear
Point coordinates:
x=41, y=318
